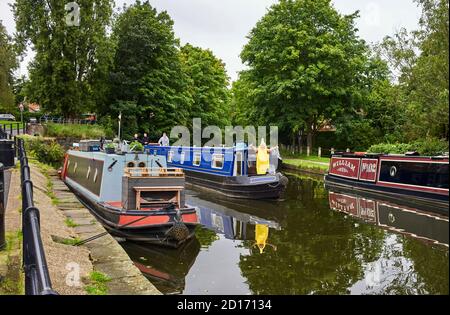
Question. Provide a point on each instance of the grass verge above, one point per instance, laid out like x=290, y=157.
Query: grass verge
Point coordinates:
x=12, y=282
x=75, y=131
x=305, y=164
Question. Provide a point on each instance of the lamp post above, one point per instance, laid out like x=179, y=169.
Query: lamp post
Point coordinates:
x=21, y=112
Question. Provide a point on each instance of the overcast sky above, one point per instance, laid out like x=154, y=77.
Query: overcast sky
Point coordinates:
x=222, y=25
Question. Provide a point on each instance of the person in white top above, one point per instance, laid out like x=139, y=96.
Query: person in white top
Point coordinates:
x=164, y=140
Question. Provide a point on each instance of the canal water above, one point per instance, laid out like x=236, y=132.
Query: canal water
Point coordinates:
x=314, y=241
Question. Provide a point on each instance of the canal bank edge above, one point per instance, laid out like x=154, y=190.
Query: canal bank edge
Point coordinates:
x=107, y=256
x=319, y=170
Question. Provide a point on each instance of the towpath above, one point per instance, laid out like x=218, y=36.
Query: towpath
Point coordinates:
x=65, y=221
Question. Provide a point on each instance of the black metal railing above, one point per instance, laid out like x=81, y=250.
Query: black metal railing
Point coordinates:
x=3, y=133
x=11, y=129
x=37, y=277
x=66, y=121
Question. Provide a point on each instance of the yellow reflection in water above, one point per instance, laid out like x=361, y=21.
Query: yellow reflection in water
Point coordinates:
x=261, y=236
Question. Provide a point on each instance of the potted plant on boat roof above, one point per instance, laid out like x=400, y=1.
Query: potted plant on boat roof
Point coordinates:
x=136, y=147
x=110, y=148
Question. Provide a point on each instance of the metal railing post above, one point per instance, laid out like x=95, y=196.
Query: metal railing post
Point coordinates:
x=2, y=207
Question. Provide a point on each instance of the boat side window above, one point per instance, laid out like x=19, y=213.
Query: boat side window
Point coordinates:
x=95, y=175
x=197, y=158
x=182, y=157
x=217, y=161
x=130, y=164
x=141, y=164
x=75, y=167
x=170, y=157
x=88, y=172
x=238, y=164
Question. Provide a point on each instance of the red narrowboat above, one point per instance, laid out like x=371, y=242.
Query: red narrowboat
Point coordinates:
x=409, y=178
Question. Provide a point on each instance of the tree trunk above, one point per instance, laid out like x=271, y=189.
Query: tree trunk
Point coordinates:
x=300, y=148
x=309, y=142
x=293, y=144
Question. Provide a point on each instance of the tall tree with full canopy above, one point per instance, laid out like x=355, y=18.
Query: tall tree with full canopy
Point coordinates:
x=419, y=61
x=306, y=65
x=68, y=56
x=147, y=81
x=8, y=62
x=208, y=85
x=428, y=87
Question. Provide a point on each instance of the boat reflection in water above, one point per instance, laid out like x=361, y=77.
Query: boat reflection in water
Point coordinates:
x=166, y=268
x=231, y=223
x=420, y=223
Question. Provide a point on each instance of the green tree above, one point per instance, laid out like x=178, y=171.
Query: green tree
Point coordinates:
x=306, y=65
x=208, y=85
x=8, y=62
x=147, y=70
x=419, y=61
x=68, y=58
x=429, y=84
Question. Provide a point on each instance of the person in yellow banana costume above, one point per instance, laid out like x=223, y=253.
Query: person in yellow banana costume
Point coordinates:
x=262, y=158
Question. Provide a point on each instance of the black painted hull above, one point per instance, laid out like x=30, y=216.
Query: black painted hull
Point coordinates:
x=152, y=234
x=237, y=187
x=433, y=202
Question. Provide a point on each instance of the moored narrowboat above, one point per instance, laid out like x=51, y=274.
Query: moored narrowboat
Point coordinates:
x=405, y=178
x=134, y=195
x=230, y=171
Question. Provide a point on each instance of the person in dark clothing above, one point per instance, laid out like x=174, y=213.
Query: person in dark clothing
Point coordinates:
x=145, y=139
x=136, y=138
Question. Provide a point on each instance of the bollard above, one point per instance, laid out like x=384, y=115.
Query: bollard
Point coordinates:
x=2, y=207
x=332, y=151
x=308, y=151
x=319, y=152
x=348, y=150
x=7, y=152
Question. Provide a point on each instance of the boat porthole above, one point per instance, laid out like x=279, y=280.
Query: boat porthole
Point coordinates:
x=391, y=217
x=141, y=164
x=88, y=172
x=130, y=164
x=95, y=175
x=393, y=171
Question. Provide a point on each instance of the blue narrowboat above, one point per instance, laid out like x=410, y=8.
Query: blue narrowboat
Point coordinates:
x=230, y=171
